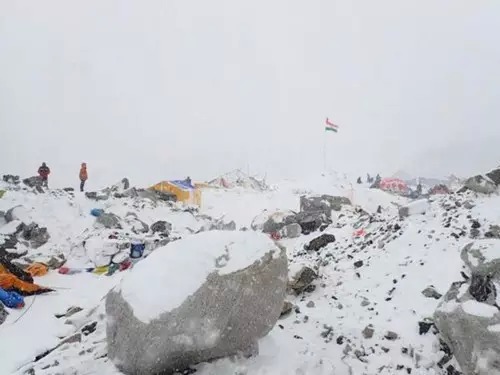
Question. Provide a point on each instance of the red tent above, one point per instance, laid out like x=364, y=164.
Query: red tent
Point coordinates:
x=394, y=185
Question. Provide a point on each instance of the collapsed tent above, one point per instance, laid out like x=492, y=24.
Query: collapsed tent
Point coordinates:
x=183, y=191
x=394, y=185
x=238, y=178
x=14, y=279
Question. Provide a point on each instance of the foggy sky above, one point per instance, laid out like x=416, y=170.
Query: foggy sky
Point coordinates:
x=165, y=89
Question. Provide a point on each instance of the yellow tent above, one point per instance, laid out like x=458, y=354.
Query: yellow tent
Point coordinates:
x=184, y=192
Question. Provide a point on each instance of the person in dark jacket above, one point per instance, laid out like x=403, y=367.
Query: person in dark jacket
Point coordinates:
x=83, y=176
x=44, y=172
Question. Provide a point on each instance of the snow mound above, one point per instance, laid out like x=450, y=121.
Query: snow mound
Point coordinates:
x=168, y=282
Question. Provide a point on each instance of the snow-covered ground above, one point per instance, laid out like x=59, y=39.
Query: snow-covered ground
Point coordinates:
x=376, y=281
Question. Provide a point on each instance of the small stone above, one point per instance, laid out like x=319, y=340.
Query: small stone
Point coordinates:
x=424, y=327
x=430, y=292
x=365, y=302
x=340, y=340
x=368, y=332
x=311, y=304
x=390, y=335
x=475, y=224
x=358, y=264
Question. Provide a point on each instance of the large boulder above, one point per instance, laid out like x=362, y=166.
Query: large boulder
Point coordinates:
x=320, y=242
x=163, y=318
x=418, y=207
x=494, y=176
x=480, y=184
x=33, y=182
x=468, y=317
x=273, y=221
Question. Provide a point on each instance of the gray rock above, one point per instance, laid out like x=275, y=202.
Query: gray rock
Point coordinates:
x=228, y=314
x=97, y=196
x=494, y=176
x=311, y=304
x=56, y=262
x=431, y=292
x=33, y=182
x=3, y=313
x=480, y=184
x=320, y=242
x=368, y=332
x=302, y=279
x=391, y=336
x=11, y=179
x=365, y=302
x=109, y=221
x=469, y=205
x=323, y=204
x=311, y=221
x=161, y=227
x=292, y=230
x=35, y=235
x=493, y=232
x=17, y=213
x=277, y=221
x=467, y=318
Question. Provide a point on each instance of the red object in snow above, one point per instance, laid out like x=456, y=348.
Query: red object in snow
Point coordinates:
x=395, y=185
x=275, y=236
x=63, y=270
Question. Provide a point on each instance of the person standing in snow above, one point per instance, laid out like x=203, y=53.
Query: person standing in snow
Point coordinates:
x=83, y=176
x=44, y=172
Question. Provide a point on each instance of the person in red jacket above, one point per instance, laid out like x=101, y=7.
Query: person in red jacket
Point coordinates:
x=83, y=176
x=44, y=172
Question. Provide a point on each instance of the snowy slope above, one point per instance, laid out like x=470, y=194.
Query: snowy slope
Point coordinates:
x=376, y=281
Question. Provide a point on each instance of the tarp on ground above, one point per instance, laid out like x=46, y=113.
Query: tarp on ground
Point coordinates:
x=183, y=190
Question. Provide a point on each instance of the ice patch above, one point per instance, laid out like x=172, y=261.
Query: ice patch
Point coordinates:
x=494, y=328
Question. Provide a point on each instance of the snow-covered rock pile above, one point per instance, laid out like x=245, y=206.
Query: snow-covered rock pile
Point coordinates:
x=231, y=298
x=485, y=184
x=469, y=316
x=362, y=293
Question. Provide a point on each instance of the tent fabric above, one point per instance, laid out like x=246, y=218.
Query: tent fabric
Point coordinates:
x=394, y=185
x=11, y=299
x=183, y=190
x=37, y=269
x=10, y=282
x=12, y=278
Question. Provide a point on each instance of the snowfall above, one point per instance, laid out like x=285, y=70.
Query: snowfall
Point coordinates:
x=375, y=283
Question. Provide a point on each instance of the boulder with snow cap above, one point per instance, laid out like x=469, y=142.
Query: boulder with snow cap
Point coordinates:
x=323, y=203
x=301, y=278
x=494, y=176
x=312, y=221
x=109, y=220
x=137, y=225
x=468, y=318
x=293, y=230
x=481, y=184
x=273, y=221
x=17, y=213
x=418, y=207
x=320, y=242
x=162, y=227
x=231, y=297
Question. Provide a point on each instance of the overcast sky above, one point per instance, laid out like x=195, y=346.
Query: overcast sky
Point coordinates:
x=165, y=89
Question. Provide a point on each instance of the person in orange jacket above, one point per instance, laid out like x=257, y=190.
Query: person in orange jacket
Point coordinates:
x=83, y=176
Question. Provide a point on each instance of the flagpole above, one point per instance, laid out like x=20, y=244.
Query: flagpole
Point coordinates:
x=324, y=151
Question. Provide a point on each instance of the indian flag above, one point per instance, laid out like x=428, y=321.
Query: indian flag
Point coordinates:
x=330, y=126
